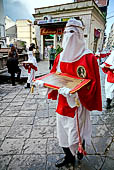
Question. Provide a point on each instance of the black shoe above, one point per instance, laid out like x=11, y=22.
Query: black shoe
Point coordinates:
x=28, y=86
x=108, y=106
x=80, y=155
x=64, y=161
x=14, y=84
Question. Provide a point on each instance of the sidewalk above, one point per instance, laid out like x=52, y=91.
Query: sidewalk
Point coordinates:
x=28, y=138
x=43, y=68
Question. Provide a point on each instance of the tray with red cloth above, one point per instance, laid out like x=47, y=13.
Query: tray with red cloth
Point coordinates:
x=59, y=80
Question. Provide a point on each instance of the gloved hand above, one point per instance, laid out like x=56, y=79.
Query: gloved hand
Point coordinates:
x=64, y=91
x=112, y=67
x=102, y=65
x=38, y=83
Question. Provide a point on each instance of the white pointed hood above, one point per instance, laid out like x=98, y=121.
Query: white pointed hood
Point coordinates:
x=73, y=41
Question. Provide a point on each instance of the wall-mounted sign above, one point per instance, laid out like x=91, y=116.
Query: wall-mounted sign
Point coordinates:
x=48, y=31
x=65, y=19
x=97, y=33
x=52, y=21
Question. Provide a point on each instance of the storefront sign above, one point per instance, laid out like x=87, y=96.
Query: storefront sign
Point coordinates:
x=48, y=31
x=64, y=19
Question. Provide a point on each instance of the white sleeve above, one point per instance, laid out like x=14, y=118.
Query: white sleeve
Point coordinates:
x=71, y=99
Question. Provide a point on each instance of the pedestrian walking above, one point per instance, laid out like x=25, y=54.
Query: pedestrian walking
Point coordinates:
x=31, y=66
x=73, y=110
x=12, y=64
x=52, y=53
x=108, y=69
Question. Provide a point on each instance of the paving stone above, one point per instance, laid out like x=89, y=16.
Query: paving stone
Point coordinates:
x=109, y=164
x=4, y=161
x=96, y=120
x=35, y=146
x=28, y=162
x=52, y=112
x=91, y=162
x=19, y=99
x=11, y=146
x=28, y=106
x=13, y=108
x=3, y=105
x=1, y=141
x=99, y=130
x=42, y=132
x=1, y=110
x=110, y=152
x=111, y=129
x=52, y=105
x=31, y=101
x=53, y=147
x=90, y=149
x=41, y=121
x=42, y=113
x=19, y=131
x=9, y=113
x=52, y=121
x=6, y=121
x=9, y=96
x=23, y=121
x=55, y=131
x=3, y=132
x=27, y=113
x=101, y=143
x=43, y=105
x=19, y=103
x=6, y=100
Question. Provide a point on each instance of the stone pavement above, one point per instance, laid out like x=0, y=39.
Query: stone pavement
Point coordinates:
x=28, y=132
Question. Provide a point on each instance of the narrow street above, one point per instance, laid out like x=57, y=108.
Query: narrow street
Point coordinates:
x=28, y=131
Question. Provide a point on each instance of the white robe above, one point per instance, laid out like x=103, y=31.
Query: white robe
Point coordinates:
x=109, y=87
x=67, y=127
x=31, y=59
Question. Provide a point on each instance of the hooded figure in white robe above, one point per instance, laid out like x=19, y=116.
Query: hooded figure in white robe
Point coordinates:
x=71, y=60
x=32, y=68
x=108, y=68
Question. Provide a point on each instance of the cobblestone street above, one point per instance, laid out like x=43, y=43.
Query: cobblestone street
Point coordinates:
x=28, y=132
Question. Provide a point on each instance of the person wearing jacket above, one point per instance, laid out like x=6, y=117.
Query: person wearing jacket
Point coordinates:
x=12, y=65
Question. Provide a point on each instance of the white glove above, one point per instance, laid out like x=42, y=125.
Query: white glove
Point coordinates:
x=73, y=100
x=111, y=67
x=38, y=83
x=64, y=91
x=102, y=65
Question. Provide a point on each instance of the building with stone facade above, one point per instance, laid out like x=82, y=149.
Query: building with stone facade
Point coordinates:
x=2, y=26
x=25, y=31
x=21, y=30
x=11, y=30
x=110, y=41
x=51, y=21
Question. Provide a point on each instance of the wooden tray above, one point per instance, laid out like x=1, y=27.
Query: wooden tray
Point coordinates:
x=59, y=80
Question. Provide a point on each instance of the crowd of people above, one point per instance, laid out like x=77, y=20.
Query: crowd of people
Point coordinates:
x=73, y=110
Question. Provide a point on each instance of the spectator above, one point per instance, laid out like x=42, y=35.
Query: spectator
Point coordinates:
x=12, y=65
x=52, y=53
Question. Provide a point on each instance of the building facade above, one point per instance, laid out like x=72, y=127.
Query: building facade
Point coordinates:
x=52, y=20
x=11, y=30
x=2, y=26
x=25, y=31
x=110, y=42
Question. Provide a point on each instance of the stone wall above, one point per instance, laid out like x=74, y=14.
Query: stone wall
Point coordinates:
x=3, y=60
